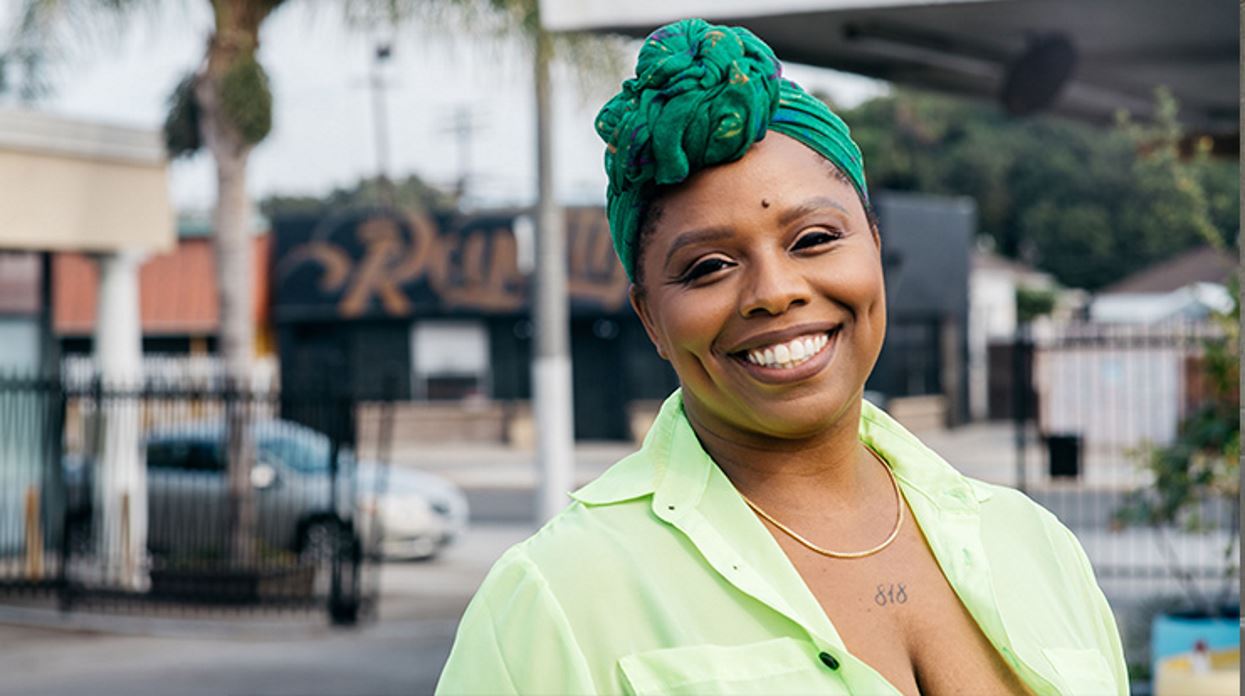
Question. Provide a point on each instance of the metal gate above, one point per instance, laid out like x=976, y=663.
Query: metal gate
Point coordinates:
x=1114, y=440
x=123, y=498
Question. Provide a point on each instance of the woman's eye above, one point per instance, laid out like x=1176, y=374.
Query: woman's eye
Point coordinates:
x=816, y=238
x=704, y=268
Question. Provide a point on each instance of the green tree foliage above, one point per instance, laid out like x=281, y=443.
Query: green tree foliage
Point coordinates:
x=411, y=193
x=246, y=100
x=181, y=125
x=1088, y=204
x=1033, y=303
x=1202, y=465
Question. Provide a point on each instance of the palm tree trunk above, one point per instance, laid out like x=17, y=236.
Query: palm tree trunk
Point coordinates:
x=234, y=273
x=233, y=279
x=232, y=244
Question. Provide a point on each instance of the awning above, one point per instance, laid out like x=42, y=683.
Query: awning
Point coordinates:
x=1115, y=51
x=79, y=186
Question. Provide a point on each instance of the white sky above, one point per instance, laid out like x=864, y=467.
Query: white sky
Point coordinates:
x=323, y=132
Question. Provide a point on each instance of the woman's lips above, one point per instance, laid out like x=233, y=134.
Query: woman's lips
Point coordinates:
x=792, y=370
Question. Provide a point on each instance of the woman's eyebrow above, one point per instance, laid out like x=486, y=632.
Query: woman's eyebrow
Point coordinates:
x=811, y=205
x=697, y=236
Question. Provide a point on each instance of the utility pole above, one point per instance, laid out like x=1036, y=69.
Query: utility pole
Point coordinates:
x=463, y=126
x=380, y=121
x=551, y=366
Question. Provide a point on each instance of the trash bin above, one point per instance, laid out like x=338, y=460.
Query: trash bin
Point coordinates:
x=1065, y=454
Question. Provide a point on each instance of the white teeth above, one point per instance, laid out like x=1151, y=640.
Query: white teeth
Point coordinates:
x=789, y=354
x=782, y=353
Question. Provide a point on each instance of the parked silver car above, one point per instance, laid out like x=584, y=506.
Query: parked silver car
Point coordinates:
x=399, y=513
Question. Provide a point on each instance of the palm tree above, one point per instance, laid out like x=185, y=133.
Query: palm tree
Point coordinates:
x=225, y=106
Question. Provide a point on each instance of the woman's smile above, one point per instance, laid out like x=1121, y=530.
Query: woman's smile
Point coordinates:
x=776, y=360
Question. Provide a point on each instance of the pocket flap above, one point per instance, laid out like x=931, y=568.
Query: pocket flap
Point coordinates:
x=782, y=664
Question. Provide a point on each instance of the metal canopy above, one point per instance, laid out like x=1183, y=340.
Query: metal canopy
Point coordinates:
x=1117, y=51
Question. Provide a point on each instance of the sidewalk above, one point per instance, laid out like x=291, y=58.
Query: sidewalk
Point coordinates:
x=985, y=451
x=494, y=466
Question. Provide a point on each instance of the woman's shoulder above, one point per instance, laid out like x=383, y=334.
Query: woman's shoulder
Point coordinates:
x=1021, y=529
x=1000, y=501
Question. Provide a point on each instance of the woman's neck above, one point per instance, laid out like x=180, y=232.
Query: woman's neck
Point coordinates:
x=829, y=468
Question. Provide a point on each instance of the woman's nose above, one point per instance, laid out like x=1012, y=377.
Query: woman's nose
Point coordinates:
x=772, y=287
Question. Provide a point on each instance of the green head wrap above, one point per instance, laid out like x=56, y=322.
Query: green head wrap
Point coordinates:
x=702, y=95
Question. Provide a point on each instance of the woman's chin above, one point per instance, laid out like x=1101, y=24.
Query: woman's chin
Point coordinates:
x=800, y=419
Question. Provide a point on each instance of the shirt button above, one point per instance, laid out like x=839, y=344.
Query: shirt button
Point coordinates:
x=829, y=660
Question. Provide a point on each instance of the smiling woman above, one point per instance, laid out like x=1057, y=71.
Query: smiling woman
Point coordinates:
x=732, y=291
x=760, y=542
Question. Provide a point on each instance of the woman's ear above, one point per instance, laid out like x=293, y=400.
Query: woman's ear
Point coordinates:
x=639, y=303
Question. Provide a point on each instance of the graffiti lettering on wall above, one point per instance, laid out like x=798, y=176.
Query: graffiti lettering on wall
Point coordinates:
x=386, y=264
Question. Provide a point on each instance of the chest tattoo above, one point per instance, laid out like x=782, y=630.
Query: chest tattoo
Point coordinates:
x=891, y=593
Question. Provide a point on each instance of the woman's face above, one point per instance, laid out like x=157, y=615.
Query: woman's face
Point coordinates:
x=762, y=285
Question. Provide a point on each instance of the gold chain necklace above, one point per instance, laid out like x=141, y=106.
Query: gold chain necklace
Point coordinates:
x=841, y=554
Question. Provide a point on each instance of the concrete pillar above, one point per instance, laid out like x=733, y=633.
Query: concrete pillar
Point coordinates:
x=551, y=364
x=121, y=477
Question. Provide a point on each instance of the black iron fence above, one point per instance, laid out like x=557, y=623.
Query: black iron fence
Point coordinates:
x=1126, y=437
x=189, y=496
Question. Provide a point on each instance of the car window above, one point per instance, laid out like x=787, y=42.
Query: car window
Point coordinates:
x=302, y=450
x=185, y=455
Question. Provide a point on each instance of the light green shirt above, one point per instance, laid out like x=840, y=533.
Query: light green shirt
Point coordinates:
x=659, y=579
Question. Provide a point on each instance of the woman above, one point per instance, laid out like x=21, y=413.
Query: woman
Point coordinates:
x=776, y=533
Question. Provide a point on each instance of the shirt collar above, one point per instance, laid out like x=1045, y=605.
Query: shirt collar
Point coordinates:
x=673, y=467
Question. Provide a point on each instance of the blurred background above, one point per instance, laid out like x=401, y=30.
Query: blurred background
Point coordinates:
x=308, y=310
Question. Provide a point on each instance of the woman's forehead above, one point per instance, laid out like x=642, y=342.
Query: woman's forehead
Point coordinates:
x=777, y=175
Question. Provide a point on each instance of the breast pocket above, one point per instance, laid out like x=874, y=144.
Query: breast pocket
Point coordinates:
x=1083, y=672
x=779, y=666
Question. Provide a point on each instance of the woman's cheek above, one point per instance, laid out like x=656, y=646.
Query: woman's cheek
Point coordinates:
x=693, y=324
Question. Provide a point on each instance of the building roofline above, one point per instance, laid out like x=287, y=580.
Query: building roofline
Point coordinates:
x=43, y=133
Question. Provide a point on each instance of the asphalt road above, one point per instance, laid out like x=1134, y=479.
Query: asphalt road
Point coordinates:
x=390, y=658
x=45, y=654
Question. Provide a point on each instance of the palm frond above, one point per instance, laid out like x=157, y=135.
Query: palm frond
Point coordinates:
x=45, y=35
x=595, y=62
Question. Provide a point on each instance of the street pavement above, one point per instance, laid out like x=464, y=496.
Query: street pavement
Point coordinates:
x=43, y=653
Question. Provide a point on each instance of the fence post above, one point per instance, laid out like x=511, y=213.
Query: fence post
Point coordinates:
x=1022, y=379
x=343, y=601
x=58, y=401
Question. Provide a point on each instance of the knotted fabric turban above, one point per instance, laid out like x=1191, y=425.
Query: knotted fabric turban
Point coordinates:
x=702, y=95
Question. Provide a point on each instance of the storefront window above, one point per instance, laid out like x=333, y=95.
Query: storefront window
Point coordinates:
x=450, y=360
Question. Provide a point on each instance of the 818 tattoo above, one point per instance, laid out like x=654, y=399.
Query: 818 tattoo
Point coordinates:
x=890, y=594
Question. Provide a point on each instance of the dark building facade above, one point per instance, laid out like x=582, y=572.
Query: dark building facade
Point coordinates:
x=408, y=307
